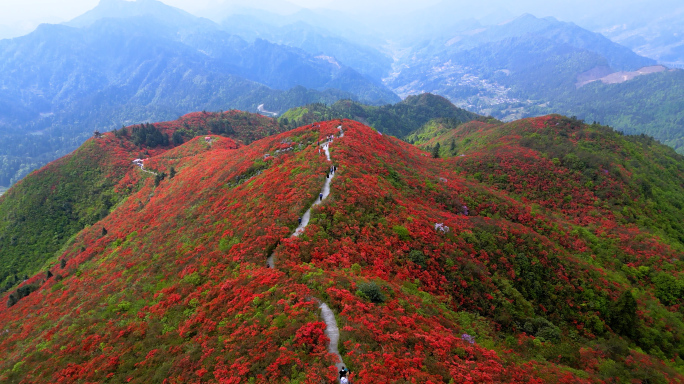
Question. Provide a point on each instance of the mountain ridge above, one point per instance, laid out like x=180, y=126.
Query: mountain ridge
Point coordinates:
x=122, y=71
x=436, y=268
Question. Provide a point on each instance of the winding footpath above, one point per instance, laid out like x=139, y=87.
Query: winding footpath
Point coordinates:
x=331, y=329
x=142, y=166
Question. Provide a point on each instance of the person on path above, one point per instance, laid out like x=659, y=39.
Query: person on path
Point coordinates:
x=300, y=221
x=321, y=196
x=344, y=376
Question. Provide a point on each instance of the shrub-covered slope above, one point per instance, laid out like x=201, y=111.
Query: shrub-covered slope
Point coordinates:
x=39, y=215
x=434, y=273
x=398, y=119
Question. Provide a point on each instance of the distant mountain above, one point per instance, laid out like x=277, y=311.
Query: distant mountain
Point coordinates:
x=651, y=28
x=145, y=61
x=659, y=38
x=122, y=9
x=316, y=41
x=556, y=32
x=532, y=66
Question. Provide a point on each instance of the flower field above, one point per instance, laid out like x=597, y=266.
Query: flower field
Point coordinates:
x=516, y=263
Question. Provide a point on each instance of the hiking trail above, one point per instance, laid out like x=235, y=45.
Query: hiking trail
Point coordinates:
x=331, y=329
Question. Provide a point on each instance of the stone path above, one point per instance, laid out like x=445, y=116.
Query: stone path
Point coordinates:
x=142, y=168
x=331, y=329
x=332, y=332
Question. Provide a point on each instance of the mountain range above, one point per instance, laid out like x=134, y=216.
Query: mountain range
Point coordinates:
x=129, y=62
x=146, y=61
x=531, y=66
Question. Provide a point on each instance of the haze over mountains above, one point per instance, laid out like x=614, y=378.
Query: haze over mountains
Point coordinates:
x=125, y=62
x=356, y=186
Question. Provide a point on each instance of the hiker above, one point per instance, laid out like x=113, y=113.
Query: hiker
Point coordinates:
x=300, y=221
x=321, y=196
x=344, y=376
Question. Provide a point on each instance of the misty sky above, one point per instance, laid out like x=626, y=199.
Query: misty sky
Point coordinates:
x=21, y=16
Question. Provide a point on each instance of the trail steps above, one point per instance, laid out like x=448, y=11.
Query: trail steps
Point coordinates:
x=331, y=329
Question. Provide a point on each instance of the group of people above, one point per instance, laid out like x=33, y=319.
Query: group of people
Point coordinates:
x=344, y=376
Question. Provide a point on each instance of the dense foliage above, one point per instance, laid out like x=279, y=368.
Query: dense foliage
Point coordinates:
x=539, y=256
x=651, y=105
x=39, y=216
x=394, y=119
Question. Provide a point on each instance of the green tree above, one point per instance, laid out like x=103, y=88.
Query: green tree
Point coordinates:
x=158, y=178
x=623, y=316
x=667, y=288
x=177, y=138
x=435, y=151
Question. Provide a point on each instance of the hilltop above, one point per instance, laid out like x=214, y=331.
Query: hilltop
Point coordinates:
x=43, y=211
x=398, y=119
x=550, y=252
x=127, y=62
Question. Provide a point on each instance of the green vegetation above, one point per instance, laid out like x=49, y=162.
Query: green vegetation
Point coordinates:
x=40, y=214
x=371, y=291
x=149, y=136
x=398, y=120
x=651, y=105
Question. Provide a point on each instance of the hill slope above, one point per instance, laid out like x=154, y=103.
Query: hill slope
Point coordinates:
x=398, y=119
x=130, y=62
x=433, y=272
x=41, y=213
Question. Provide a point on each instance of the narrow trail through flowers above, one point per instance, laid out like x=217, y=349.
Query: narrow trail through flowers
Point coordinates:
x=142, y=166
x=331, y=329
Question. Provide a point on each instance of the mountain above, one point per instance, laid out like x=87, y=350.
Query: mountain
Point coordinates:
x=316, y=41
x=650, y=104
x=60, y=83
x=482, y=52
x=521, y=61
x=55, y=196
x=126, y=9
x=651, y=29
x=532, y=67
x=549, y=252
x=397, y=120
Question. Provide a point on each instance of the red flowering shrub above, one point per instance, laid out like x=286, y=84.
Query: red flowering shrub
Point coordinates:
x=482, y=279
